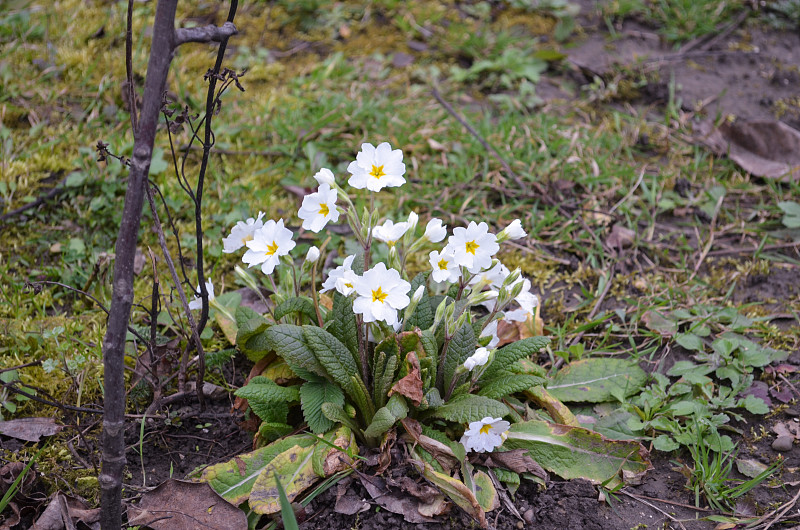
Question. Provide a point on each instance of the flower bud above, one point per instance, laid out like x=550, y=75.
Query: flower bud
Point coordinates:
x=439, y=314
x=247, y=278
x=312, y=255
x=412, y=305
x=325, y=176
x=483, y=296
x=413, y=219
x=512, y=278
x=512, y=231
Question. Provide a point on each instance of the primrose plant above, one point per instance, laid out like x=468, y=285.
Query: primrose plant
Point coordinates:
x=372, y=349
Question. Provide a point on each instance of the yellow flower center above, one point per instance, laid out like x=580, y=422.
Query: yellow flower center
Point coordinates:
x=378, y=295
x=272, y=248
x=323, y=209
x=485, y=429
x=350, y=285
x=377, y=172
x=472, y=246
x=245, y=239
x=442, y=264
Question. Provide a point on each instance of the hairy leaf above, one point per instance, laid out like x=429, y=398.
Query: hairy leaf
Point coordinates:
x=312, y=395
x=299, y=304
x=250, y=338
x=501, y=386
x=343, y=322
x=469, y=407
x=244, y=313
x=597, y=380
x=264, y=389
x=332, y=355
x=422, y=317
x=462, y=346
x=270, y=411
x=269, y=432
x=287, y=340
x=385, y=417
x=336, y=414
x=508, y=355
x=575, y=452
x=385, y=378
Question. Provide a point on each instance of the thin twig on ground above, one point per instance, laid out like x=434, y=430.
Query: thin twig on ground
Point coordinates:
x=41, y=200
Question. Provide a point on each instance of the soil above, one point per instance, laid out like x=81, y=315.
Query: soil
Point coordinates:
x=746, y=73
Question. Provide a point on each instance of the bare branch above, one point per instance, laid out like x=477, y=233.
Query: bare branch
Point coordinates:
x=205, y=34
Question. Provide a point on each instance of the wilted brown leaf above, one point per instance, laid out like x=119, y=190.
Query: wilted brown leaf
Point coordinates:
x=180, y=505
x=62, y=506
x=29, y=429
x=768, y=149
x=411, y=385
x=517, y=460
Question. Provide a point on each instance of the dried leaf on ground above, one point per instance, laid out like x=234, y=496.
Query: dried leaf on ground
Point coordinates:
x=181, y=505
x=76, y=509
x=396, y=502
x=30, y=429
x=768, y=149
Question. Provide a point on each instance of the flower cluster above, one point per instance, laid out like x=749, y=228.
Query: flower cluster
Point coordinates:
x=465, y=264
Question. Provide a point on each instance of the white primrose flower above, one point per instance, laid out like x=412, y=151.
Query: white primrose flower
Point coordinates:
x=197, y=303
x=527, y=303
x=491, y=331
x=342, y=272
x=325, y=176
x=241, y=233
x=445, y=269
x=512, y=231
x=494, y=276
x=485, y=435
x=269, y=243
x=381, y=292
x=390, y=232
x=312, y=255
x=434, y=231
x=473, y=246
x=318, y=208
x=413, y=219
x=377, y=167
x=478, y=358
x=346, y=284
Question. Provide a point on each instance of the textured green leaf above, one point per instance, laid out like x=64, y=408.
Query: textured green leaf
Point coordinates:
x=336, y=414
x=462, y=346
x=249, y=337
x=269, y=432
x=469, y=407
x=264, y=389
x=300, y=304
x=332, y=355
x=431, y=350
x=575, y=452
x=234, y=479
x=343, y=322
x=385, y=373
x=394, y=411
x=270, y=411
x=501, y=386
x=422, y=317
x=596, y=380
x=287, y=340
x=505, y=357
x=312, y=395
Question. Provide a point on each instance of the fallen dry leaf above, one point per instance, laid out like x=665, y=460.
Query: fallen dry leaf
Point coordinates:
x=620, y=237
x=72, y=507
x=181, y=505
x=396, y=502
x=768, y=149
x=30, y=429
x=517, y=460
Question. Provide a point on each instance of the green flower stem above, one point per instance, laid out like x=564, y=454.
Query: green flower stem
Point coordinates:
x=314, y=294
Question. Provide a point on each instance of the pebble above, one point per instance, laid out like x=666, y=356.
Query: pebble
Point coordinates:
x=783, y=443
x=520, y=525
x=792, y=413
x=528, y=516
